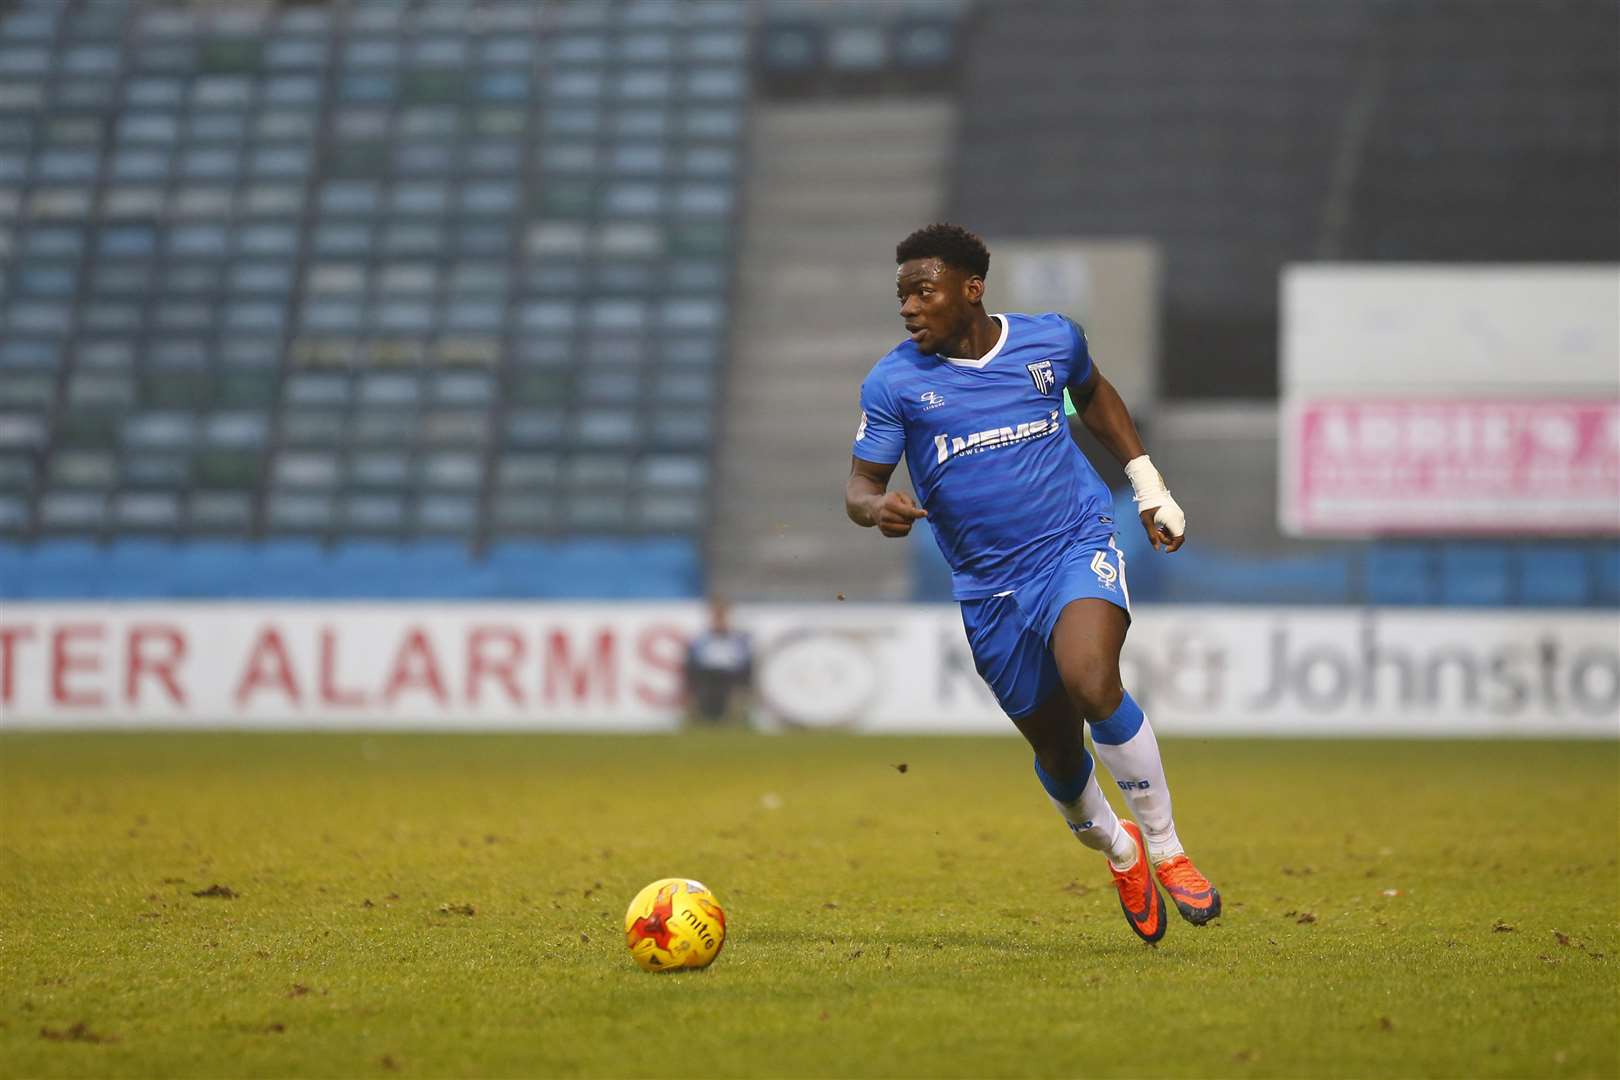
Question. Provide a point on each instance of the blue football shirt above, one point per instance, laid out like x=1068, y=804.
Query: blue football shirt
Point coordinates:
x=988, y=448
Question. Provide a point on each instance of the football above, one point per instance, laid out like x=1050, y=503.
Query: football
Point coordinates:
x=674, y=924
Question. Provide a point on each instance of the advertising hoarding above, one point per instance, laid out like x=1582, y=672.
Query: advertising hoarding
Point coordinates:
x=893, y=669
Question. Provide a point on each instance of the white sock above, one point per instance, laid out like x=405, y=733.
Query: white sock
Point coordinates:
x=1089, y=816
x=1126, y=745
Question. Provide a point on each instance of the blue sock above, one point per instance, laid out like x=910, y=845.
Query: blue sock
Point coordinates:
x=1125, y=722
x=1086, y=811
x=1067, y=789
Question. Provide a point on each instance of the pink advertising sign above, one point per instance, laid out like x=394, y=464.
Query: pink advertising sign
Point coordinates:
x=1441, y=466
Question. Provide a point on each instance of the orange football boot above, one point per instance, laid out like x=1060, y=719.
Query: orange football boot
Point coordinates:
x=1196, y=899
x=1138, y=897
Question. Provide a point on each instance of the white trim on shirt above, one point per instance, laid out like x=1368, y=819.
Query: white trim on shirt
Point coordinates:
x=989, y=356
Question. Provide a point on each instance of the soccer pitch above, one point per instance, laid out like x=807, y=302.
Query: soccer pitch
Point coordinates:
x=452, y=906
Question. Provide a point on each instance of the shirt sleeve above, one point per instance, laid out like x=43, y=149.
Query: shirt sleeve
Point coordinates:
x=1080, y=365
x=881, y=436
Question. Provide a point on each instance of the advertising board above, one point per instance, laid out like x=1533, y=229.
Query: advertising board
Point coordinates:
x=893, y=669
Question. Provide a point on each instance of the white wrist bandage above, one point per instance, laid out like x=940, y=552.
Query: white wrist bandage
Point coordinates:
x=1151, y=494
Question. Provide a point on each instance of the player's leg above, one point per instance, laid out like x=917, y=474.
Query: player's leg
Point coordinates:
x=1054, y=731
x=1086, y=643
x=1015, y=664
x=1066, y=771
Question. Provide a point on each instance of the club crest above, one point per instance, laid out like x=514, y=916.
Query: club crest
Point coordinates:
x=1041, y=372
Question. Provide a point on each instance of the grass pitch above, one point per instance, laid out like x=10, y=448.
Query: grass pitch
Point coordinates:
x=451, y=905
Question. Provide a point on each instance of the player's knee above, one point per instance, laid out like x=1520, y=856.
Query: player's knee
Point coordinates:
x=1096, y=690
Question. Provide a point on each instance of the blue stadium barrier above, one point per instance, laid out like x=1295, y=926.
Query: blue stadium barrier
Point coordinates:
x=1553, y=576
x=1192, y=576
x=286, y=569
x=143, y=569
x=13, y=568
x=1608, y=575
x=603, y=569
x=1460, y=574
x=372, y=569
x=1397, y=575
x=65, y=570
x=438, y=570
x=216, y=569
x=1474, y=575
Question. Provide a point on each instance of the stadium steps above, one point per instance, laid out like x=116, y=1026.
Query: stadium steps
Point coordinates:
x=831, y=189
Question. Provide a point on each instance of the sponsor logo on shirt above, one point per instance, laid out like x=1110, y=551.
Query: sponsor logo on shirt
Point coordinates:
x=949, y=446
x=860, y=432
x=931, y=400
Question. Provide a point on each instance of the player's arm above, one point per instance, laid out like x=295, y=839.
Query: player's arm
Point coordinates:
x=1103, y=411
x=868, y=500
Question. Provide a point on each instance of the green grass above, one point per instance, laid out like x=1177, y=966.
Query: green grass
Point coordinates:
x=939, y=922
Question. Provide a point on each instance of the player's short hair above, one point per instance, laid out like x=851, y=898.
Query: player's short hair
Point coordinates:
x=950, y=244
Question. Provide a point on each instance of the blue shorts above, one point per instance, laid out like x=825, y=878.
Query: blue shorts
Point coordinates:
x=1011, y=633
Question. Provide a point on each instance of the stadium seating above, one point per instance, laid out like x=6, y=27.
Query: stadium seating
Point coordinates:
x=419, y=273
x=434, y=297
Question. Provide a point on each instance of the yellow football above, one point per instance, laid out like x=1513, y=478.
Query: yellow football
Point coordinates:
x=674, y=923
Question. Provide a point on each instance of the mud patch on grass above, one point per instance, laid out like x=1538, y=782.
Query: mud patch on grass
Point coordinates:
x=223, y=892
x=79, y=1032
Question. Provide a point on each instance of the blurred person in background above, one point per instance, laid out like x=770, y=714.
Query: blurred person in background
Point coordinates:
x=719, y=672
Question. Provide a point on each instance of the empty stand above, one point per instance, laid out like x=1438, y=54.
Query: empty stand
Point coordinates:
x=306, y=271
x=833, y=187
x=1245, y=135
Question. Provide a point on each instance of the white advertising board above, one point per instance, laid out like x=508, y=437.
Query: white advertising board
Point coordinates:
x=890, y=668
x=1383, y=328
